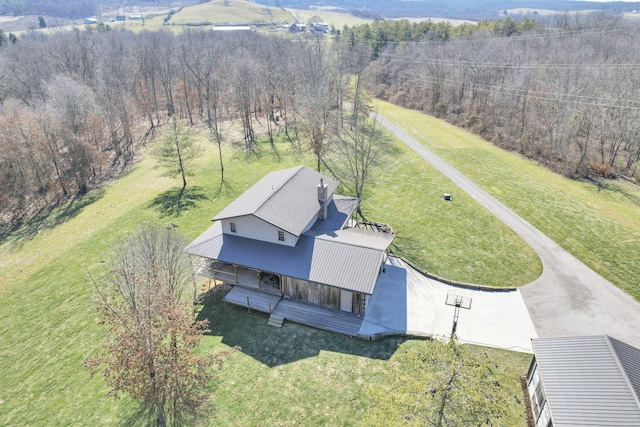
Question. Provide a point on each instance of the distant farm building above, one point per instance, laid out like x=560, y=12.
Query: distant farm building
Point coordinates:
x=321, y=28
x=297, y=28
x=232, y=27
x=136, y=18
x=120, y=18
x=90, y=21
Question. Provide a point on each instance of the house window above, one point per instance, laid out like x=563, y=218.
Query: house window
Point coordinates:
x=232, y=225
x=280, y=236
x=538, y=400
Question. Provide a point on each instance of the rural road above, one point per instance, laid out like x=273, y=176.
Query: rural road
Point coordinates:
x=568, y=299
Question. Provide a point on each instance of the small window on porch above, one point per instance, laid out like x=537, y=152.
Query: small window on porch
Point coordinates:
x=232, y=225
x=280, y=235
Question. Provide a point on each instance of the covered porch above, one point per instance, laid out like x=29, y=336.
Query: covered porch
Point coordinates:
x=246, y=277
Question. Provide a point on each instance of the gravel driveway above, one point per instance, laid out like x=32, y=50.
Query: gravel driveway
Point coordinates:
x=568, y=298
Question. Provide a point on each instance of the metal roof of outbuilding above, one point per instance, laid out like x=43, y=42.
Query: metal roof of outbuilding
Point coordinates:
x=590, y=381
x=287, y=199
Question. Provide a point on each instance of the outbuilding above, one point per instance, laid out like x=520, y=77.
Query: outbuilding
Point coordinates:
x=584, y=381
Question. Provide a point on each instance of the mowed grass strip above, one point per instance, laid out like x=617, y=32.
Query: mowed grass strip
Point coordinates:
x=599, y=226
x=49, y=323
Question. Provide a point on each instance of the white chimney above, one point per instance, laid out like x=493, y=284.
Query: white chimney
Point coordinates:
x=322, y=199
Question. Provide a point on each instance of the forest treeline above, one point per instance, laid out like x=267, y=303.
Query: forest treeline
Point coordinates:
x=567, y=96
x=75, y=107
x=73, y=8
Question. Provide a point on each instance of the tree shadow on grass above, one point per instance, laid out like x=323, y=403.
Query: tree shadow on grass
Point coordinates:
x=50, y=218
x=176, y=201
x=224, y=189
x=142, y=416
x=290, y=343
x=406, y=247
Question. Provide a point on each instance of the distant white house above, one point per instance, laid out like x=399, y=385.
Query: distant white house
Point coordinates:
x=136, y=18
x=584, y=381
x=90, y=21
x=290, y=237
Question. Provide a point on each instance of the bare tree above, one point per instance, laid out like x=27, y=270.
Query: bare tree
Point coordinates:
x=150, y=349
x=176, y=151
x=360, y=148
x=314, y=101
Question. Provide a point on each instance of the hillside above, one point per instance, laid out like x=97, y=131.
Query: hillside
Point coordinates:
x=50, y=326
x=457, y=9
x=231, y=12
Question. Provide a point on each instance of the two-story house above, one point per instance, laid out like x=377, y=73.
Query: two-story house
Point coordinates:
x=289, y=237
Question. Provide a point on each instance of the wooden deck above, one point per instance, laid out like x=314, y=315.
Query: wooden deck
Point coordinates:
x=253, y=299
x=327, y=319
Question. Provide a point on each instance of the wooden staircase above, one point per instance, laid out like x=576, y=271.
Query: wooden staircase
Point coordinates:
x=275, y=320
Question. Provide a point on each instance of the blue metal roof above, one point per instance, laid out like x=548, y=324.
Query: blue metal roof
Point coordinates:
x=349, y=259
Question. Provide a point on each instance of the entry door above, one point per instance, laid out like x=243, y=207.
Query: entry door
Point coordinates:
x=358, y=304
x=346, y=301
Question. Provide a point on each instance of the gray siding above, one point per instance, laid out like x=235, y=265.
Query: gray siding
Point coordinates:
x=252, y=227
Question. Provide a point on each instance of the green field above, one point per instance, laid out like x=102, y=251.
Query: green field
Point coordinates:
x=337, y=20
x=49, y=323
x=599, y=225
x=237, y=12
x=212, y=12
x=457, y=240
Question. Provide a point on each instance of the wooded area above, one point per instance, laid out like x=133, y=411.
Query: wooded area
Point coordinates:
x=75, y=107
x=565, y=96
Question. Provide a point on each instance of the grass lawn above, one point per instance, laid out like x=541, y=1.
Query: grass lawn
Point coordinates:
x=49, y=324
x=456, y=239
x=301, y=376
x=599, y=226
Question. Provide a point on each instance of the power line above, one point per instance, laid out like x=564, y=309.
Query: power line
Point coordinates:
x=630, y=104
x=520, y=37
x=542, y=66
